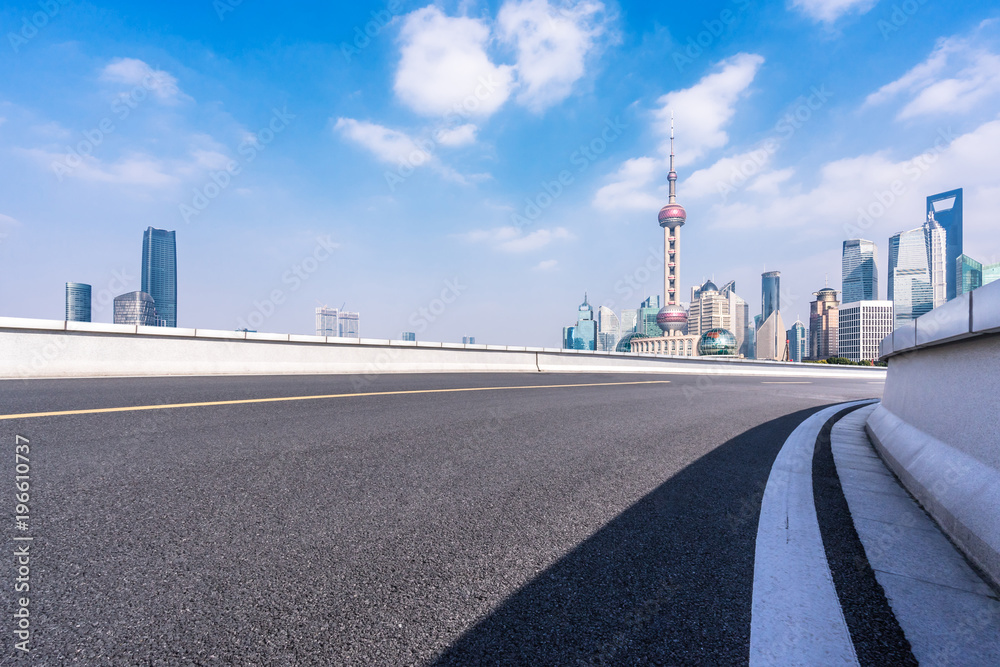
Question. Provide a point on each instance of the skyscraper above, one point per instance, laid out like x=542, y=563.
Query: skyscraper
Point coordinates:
x=78, y=302
x=968, y=275
x=159, y=272
x=584, y=334
x=409, y=336
x=936, y=242
x=327, y=321
x=772, y=342
x=797, y=343
x=860, y=270
x=648, y=317
x=137, y=308
x=947, y=209
x=709, y=310
x=861, y=327
x=672, y=318
x=739, y=315
x=629, y=318
x=824, y=324
x=608, y=329
x=910, y=287
x=770, y=289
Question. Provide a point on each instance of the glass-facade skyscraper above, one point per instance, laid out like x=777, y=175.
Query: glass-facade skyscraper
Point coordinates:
x=797, y=343
x=947, y=209
x=78, y=302
x=770, y=287
x=159, y=272
x=969, y=274
x=860, y=271
x=582, y=336
x=137, y=308
x=910, y=288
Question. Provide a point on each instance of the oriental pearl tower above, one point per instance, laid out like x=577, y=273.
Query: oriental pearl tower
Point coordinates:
x=672, y=318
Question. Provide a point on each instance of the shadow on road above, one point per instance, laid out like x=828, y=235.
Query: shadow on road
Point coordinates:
x=669, y=581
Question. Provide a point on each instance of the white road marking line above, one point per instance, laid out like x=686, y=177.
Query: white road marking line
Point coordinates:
x=796, y=616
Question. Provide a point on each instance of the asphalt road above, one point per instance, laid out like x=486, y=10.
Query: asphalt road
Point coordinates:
x=609, y=524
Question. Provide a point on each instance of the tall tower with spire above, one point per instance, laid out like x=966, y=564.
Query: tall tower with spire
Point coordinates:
x=672, y=318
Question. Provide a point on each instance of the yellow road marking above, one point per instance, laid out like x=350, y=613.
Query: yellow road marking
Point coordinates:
x=246, y=401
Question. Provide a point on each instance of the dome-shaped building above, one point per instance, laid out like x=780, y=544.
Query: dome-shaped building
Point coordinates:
x=625, y=343
x=717, y=343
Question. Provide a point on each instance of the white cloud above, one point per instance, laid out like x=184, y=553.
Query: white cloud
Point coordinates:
x=727, y=173
x=957, y=76
x=444, y=67
x=552, y=44
x=546, y=265
x=702, y=113
x=875, y=196
x=8, y=221
x=705, y=109
x=386, y=144
x=135, y=169
x=133, y=72
x=514, y=240
x=457, y=136
x=828, y=11
x=629, y=189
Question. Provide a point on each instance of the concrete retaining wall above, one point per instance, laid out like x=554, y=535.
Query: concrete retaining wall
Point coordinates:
x=939, y=423
x=45, y=348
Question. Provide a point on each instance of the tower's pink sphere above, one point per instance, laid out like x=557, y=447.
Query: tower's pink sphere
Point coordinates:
x=671, y=318
x=672, y=215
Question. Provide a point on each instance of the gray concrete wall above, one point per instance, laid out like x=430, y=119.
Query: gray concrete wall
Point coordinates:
x=938, y=426
x=45, y=348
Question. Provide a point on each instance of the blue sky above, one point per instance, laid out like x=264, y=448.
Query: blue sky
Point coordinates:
x=504, y=157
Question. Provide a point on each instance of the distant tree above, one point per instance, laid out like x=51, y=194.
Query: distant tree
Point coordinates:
x=840, y=361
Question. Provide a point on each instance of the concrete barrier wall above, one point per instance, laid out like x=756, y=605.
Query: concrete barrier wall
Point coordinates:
x=938, y=426
x=45, y=348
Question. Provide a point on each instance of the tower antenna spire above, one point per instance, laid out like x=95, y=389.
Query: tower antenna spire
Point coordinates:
x=672, y=176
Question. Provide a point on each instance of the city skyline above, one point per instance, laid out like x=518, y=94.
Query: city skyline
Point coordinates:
x=784, y=156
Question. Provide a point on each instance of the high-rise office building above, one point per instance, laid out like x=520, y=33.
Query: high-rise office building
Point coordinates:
x=910, y=288
x=78, y=302
x=772, y=341
x=862, y=326
x=349, y=324
x=159, y=272
x=468, y=340
x=137, y=308
x=583, y=335
x=824, y=324
x=629, y=318
x=327, y=321
x=739, y=316
x=709, y=310
x=797, y=343
x=608, y=329
x=947, y=209
x=749, y=349
x=409, y=336
x=770, y=290
x=968, y=275
x=647, y=317
x=860, y=270
x=936, y=242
